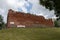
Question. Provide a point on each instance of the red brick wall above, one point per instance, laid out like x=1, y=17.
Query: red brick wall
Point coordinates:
x=20, y=18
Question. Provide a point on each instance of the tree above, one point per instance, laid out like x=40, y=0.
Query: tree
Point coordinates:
x=52, y=5
x=1, y=22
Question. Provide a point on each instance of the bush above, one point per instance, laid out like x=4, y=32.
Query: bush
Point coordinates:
x=1, y=22
x=56, y=23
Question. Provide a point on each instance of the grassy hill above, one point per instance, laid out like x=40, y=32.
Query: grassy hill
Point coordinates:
x=30, y=34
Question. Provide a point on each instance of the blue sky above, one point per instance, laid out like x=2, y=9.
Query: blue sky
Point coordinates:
x=27, y=6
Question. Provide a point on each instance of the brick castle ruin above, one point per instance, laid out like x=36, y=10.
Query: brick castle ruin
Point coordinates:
x=21, y=19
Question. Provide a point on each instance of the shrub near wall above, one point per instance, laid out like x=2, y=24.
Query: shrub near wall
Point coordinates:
x=57, y=23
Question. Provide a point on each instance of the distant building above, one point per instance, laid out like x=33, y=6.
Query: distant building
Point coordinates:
x=20, y=19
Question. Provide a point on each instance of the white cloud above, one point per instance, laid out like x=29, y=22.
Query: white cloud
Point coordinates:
x=2, y=10
x=15, y=4
x=11, y=4
x=40, y=10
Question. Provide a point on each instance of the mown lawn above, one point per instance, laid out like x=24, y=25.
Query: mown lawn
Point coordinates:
x=30, y=34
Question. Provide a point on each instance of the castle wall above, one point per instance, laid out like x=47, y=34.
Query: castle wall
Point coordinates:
x=17, y=19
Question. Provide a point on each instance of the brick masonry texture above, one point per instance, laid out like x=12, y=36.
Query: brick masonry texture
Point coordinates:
x=21, y=18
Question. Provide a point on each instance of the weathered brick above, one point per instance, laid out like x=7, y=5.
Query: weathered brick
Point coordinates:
x=20, y=18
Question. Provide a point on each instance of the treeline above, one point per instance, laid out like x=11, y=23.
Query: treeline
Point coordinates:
x=2, y=24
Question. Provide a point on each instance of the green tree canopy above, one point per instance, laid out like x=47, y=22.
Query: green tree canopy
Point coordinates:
x=52, y=5
x=1, y=22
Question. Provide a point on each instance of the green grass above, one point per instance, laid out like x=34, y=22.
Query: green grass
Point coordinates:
x=30, y=34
